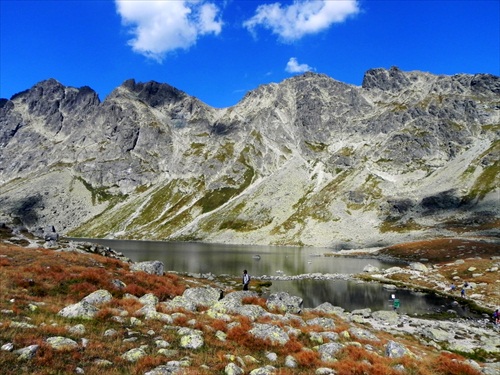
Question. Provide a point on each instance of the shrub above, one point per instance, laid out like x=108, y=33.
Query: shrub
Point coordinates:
x=307, y=358
x=452, y=364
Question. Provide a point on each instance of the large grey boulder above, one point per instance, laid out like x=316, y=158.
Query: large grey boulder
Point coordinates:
x=180, y=302
x=168, y=369
x=98, y=297
x=417, y=266
x=271, y=332
x=204, y=297
x=386, y=317
x=232, y=304
x=326, y=323
x=190, y=338
x=328, y=308
x=82, y=310
x=437, y=334
x=233, y=369
x=133, y=355
x=149, y=299
x=329, y=350
x=27, y=352
x=60, y=343
x=266, y=370
x=396, y=350
x=154, y=267
x=284, y=302
x=363, y=334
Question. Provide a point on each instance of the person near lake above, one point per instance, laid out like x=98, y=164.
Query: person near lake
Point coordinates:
x=396, y=304
x=246, y=280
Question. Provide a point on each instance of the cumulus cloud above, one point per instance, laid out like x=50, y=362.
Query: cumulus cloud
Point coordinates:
x=159, y=27
x=293, y=66
x=303, y=17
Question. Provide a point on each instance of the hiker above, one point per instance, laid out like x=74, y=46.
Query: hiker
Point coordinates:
x=395, y=304
x=462, y=292
x=452, y=287
x=496, y=317
x=246, y=280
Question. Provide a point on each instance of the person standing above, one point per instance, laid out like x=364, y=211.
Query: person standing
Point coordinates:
x=246, y=280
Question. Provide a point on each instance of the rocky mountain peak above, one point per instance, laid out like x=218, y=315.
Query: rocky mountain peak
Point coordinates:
x=485, y=83
x=307, y=161
x=154, y=93
x=386, y=80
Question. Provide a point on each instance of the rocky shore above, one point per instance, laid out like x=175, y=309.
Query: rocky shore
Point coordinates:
x=172, y=335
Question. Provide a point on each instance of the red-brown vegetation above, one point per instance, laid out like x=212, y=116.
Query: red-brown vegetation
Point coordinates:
x=56, y=279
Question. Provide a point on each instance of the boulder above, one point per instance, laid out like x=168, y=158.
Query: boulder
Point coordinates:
x=284, y=302
x=417, y=266
x=395, y=350
x=133, y=355
x=82, y=310
x=329, y=350
x=266, y=370
x=190, y=338
x=98, y=297
x=387, y=317
x=205, y=297
x=437, y=334
x=233, y=369
x=27, y=352
x=273, y=333
x=362, y=334
x=60, y=343
x=154, y=267
x=326, y=323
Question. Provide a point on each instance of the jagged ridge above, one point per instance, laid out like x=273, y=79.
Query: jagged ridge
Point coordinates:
x=308, y=161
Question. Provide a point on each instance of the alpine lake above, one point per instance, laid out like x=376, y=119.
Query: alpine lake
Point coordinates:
x=263, y=261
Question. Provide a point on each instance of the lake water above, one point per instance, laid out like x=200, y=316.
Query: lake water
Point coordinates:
x=222, y=259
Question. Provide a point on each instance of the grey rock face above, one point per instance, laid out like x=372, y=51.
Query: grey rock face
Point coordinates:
x=407, y=150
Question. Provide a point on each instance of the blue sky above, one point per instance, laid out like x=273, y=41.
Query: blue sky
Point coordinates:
x=219, y=50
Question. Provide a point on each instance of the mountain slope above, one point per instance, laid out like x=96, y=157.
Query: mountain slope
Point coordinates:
x=308, y=161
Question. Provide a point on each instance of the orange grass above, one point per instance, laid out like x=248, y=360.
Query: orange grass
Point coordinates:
x=58, y=279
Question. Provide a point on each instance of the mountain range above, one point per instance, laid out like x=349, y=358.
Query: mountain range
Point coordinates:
x=309, y=161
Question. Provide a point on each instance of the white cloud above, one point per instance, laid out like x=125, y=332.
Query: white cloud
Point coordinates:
x=159, y=27
x=293, y=66
x=292, y=22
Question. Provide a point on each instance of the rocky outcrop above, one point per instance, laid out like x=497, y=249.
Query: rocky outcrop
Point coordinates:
x=407, y=155
x=361, y=328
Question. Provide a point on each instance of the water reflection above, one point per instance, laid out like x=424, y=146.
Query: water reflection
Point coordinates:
x=353, y=295
x=233, y=259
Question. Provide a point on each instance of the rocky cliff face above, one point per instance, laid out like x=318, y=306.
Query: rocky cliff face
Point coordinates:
x=308, y=161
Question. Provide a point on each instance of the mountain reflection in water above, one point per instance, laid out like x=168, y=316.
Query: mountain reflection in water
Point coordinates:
x=220, y=259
